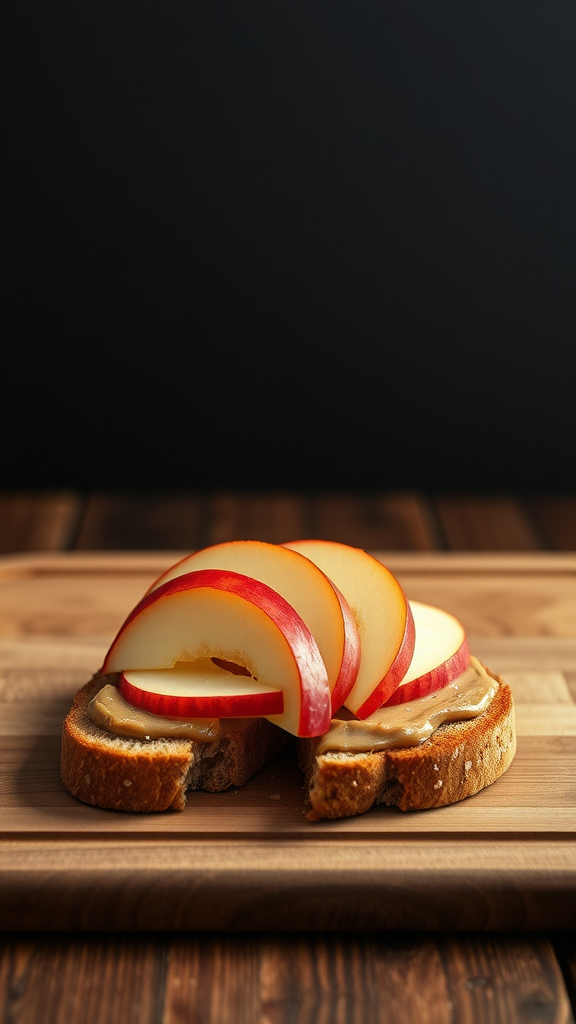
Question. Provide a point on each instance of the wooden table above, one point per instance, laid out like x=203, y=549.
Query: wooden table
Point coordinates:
x=238, y=909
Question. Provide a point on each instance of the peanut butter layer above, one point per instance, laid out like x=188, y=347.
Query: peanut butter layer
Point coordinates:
x=409, y=724
x=111, y=711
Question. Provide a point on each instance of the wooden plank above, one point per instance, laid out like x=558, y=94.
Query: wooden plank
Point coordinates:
x=197, y=885
x=431, y=563
x=225, y=981
x=555, y=518
x=387, y=521
x=395, y=521
x=409, y=521
x=485, y=523
x=231, y=980
x=495, y=602
x=140, y=521
x=87, y=595
x=511, y=979
x=32, y=521
x=308, y=979
x=75, y=978
x=275, y=517
x=37, y=804
x=541, y=653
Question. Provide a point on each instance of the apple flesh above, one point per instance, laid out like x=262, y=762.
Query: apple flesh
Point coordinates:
x=300, y=582
x=441, y=654
x=213, y=613
x=200, y=689
x=383, y=617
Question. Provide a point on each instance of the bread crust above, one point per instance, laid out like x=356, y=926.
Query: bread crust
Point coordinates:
x=124, y=774
x=458, y=760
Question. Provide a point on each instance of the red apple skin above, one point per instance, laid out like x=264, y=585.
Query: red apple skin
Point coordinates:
x=350, y=662
x=387, y=686
x=315, y=698
x=321, y=552
x=436, y=679
x=351, y=658
x=247, y=705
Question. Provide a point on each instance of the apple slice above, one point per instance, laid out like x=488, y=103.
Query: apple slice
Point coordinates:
x=213, y=613
x=441, y=653
x=200, y=689
x=383, y=617
x=318, y=602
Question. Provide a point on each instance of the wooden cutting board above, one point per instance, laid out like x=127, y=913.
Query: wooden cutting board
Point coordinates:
x=248, y=859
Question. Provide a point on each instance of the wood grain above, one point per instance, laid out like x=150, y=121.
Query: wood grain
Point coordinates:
x=273, y=517
x=81, y=978
x=139, y=521
x=509, y=979
x=44, y=521
x=486, y=523
x=282, y=979
x=190, y=519
x=146, y=521
x=555, y=518
x=393, y=522
x=305, y=979
x=86, y=595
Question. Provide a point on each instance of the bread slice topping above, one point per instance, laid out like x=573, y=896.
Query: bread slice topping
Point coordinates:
x=111, y=711
x=402, y=725
x=407, y=725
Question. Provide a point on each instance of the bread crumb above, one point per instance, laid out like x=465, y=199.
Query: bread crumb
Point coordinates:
x=468, y=765
x=127, y=782
x=274, y=796
x=438, y=784
x=455, y=753
x=436, y=768
x=87, y=780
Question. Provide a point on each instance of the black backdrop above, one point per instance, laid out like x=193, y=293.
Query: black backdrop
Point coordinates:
x=289, y=244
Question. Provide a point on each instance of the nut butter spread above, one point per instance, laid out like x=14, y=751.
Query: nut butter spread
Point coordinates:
x=407, y=725
x=402, y=725
x=111, y=711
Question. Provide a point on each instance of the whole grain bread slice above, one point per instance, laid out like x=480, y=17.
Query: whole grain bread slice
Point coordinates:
x=125, y=774
x=458, y=760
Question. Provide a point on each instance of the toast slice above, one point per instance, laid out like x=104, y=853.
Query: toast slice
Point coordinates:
x=128, y=774
x=459, y=759
x=131, y=774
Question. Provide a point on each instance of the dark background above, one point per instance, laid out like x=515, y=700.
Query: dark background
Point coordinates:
x=284, y=244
